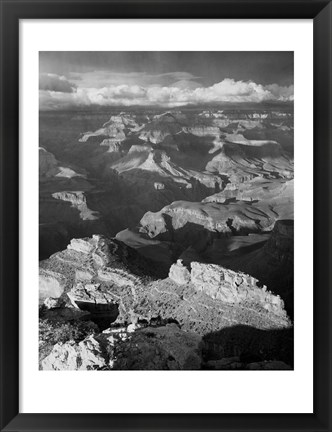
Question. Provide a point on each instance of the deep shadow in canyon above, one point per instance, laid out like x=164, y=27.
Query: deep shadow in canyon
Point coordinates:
x=250, y=344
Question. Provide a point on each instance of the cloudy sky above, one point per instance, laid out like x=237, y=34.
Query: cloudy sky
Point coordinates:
x=170, y=79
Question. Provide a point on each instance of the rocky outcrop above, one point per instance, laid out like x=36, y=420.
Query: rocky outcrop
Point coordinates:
x=276, y=193
x=111, y=281
x=115, y=130
x=147, y=348
x=159, y=186
x=173, y=221
x=78, y=201
x=161, y=127
x=203, y=130
x=49, y=167
x=51, y=284
x=135, y=148
x=81, y=245
x=51, y=302
x=143, y=166
x=162, y=348
x=243, y=160
x=179, y=273
x=68, y=173
x=97, y=271
x=253, y=207
x=226, y=285
x=234, y=287
x=86, y=355
x=271, y=262
x=113, y=146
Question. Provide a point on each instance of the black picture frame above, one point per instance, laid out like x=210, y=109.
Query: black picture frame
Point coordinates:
x=14, y=10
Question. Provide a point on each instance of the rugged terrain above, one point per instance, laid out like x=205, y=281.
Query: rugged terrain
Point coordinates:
x=127, y=164
x=110, y=284
x=166, y=239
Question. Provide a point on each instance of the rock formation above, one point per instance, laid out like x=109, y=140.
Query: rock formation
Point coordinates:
x=161, y=348
x=114, y=280
x=78, y=201
x=49, y=167
x=87, y=355
x=51, y=284
x=115, y=130
x=173, y=221
x=179, y=273
x=226, y=285
x=271, y=261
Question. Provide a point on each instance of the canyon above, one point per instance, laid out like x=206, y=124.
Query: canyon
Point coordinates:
x=166, y=239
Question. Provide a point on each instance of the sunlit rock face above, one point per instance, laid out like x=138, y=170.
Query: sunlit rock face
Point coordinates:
x=179, y=273
x=116, y=129
x=86, y=355
x=161, y=127
x=259, y=189
x=234, y=287
x=175, y=221
x=226, y=285
x=51, y=284
x=113, y=146
x=78, y=201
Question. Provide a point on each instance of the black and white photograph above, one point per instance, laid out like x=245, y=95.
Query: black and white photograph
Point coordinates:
x=166, y=210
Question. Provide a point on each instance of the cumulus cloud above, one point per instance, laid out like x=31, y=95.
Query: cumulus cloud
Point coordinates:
x=283, y=93
x=55, y=83
x=174, y=95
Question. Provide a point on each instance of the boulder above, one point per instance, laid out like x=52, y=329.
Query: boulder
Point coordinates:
x=83, y=275
x=80, y=245
x=50, y=285
x=179, y=273
x=86, y=355
x=159, y=186
x=50, y=302
x=88, y=293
